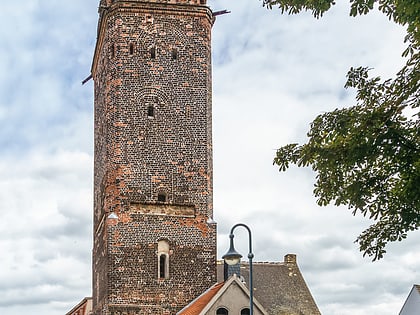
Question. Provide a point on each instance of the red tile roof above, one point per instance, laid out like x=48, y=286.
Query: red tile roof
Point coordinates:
x=196, y=306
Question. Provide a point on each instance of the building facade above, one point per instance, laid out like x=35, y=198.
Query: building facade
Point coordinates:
x=228, y=297
x=83, y=308
x=154, y=241
x=412, y=303
x=279, y=286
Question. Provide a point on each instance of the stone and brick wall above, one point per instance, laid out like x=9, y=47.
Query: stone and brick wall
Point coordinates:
x=153, y=155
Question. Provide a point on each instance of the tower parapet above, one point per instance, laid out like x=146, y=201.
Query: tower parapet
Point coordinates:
x=107, y=3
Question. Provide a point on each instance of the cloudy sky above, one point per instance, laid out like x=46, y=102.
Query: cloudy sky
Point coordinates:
x=272, y=75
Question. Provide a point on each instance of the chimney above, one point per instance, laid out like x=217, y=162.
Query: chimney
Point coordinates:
x=290, y=259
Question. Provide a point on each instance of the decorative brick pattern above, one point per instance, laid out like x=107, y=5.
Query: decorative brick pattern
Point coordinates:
x=152, y=74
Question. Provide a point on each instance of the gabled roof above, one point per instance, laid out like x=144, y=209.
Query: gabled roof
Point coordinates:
x=209, y=299
x=197, y=305
x=83, y=308
x=412, y=303
x=279, y=286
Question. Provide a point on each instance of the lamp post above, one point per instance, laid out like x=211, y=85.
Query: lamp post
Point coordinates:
x=232, y=257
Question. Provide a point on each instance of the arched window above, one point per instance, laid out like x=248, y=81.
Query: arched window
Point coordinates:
x=245, y=311
x=163, y=259
x=222, y=311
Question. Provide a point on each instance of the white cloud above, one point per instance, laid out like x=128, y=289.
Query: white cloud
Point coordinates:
x=272, y=75
x=46, y=228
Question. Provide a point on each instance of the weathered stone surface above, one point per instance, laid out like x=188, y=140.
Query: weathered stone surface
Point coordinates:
x=159, y=209
x=153, y=155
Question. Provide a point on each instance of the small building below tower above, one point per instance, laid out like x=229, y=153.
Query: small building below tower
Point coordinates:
x=412, y=304
x=278, y=286
x=83, y=308
x=279, y=289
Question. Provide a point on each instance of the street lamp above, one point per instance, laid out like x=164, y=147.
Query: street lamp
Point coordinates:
x=232, y=257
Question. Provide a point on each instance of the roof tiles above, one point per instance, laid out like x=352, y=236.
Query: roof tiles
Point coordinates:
x=196, y=306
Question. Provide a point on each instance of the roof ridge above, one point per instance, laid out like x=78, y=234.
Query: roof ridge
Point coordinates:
x=196, y=305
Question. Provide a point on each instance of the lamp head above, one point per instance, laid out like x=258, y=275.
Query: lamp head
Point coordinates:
x=232, y=257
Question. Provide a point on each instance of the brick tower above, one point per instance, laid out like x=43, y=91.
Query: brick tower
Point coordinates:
x=154, y=245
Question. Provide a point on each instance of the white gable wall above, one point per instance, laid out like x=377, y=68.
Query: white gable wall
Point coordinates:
x=412, y=304
x=234, y=300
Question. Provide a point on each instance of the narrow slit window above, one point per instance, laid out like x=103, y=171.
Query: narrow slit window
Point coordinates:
x=174, y=54
x=131, y=48
x=153, y=52
x=162, y=266
x=163, y=259
x=150, y=111
x=112, y=50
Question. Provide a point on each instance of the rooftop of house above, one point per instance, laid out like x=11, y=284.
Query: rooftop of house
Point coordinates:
x=200, y=303
x=83, y=308
x=278, y=286
x=230, y=294
x=411, y=304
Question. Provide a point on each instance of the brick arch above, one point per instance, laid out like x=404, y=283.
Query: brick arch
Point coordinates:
x=152, y=95
x=163, y=238
x=164, y=35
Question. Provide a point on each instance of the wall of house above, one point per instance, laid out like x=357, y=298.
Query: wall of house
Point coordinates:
x=234, y=300
x=412, y=304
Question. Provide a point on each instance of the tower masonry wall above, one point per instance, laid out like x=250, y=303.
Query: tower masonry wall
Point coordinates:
x=153, y=157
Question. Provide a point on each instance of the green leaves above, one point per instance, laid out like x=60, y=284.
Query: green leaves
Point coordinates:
x=317, y=7
x=367, y=156
x=359, y=7
x=404, y=12
x=285, y=155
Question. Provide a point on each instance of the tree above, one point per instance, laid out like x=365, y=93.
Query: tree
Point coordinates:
x=368, y=156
